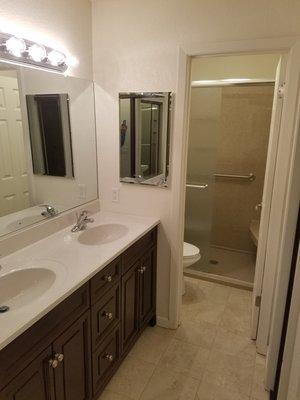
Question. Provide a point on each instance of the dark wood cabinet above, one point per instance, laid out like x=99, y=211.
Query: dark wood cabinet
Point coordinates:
x=72, y=374
x=130, y=305
x=32, y=383
x=73, y=351
x=147, y=289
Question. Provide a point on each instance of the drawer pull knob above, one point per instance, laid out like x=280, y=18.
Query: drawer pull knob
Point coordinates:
x=142, y=269
x=108, y=278
x=58, y=358
x=108, y=315
x=109, y=357
x=53, y=363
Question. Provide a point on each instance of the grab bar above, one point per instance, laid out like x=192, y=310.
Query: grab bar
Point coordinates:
x=190, y=185
x=250, y=177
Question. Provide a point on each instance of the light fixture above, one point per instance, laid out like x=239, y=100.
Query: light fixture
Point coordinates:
x=37, y=52
x=15, y=46
x=15, y=50
x=56, y=57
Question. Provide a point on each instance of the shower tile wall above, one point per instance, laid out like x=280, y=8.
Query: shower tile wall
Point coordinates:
x=242, y=148
x=229, y=130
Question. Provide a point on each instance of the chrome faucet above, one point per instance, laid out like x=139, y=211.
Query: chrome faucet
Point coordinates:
x=82, y=221
x=49, y=212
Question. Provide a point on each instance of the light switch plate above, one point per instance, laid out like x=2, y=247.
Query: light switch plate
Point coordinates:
x=81, y=191
x=115, y=195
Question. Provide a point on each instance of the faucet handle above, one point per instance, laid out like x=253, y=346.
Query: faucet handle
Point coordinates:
x=45, y=205
x=83, y=213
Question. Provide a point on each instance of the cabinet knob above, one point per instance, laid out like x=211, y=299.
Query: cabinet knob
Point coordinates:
x=108, y=315
x=108, y=278
x=59, y=357
x=109, y=357
x=142, y=269
x=53, y=363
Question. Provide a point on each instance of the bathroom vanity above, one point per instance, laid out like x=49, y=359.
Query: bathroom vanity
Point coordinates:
x=73, y=350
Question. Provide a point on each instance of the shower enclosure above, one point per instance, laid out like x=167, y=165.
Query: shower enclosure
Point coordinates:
x=228, y=141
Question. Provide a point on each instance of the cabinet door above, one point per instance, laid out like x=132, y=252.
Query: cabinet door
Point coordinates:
x=72, y=349
x=33, y=382
x=147, y=287
x=130, y=305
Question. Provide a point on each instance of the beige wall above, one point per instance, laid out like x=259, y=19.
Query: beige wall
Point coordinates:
x=242, y=149
x=135, y=48
x=253, y=66
x=63, y=24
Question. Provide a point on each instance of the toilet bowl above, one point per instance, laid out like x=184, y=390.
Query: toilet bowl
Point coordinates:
x=191, y=254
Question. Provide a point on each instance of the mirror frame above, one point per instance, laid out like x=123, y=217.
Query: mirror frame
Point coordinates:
x=161, y=182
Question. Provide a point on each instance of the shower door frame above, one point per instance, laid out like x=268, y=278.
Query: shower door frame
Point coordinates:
x=181, y=121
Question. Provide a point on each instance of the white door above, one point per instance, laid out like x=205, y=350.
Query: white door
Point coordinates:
x=14, y=194
x=264, y=229
x=287, y=184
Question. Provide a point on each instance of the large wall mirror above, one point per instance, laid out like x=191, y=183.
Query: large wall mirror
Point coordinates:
x=47, y=145
x=144, y=137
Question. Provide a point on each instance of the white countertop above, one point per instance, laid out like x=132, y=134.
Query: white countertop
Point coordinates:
x=73, y=263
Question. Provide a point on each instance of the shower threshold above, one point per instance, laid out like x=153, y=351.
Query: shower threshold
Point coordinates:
x=227, y=266
x=192, y=273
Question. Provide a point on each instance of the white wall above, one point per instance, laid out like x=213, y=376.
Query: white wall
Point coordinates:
x=63, y=24
x=135, y=48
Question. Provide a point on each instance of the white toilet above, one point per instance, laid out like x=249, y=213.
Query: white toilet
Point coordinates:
x=191, y=254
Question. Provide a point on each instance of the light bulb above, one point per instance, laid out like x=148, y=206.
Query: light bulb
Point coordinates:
x=56, y=57
x=15, y=46
x=37, y=52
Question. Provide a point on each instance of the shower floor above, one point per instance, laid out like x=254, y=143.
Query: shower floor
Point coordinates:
x=226, y=266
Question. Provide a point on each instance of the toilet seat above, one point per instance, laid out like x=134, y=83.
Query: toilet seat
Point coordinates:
x=190, y=251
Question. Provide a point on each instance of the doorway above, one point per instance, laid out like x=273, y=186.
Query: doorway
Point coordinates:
x=230, y=119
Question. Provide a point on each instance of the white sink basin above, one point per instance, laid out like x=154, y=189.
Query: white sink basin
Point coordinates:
x=101, y=234
x=21, y=287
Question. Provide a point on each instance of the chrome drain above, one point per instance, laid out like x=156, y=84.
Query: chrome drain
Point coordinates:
x=214, y=262
x=3, y=309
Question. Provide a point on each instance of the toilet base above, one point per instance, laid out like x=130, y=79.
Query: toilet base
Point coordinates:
x=183, y=286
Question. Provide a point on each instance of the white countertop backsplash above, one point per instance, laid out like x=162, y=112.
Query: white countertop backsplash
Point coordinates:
x=74, y=264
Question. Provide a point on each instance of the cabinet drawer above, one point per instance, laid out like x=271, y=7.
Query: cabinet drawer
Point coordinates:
x=131, y=255
x=105, y=279
x=105, y=314
x=105, y=360
x=18, y=354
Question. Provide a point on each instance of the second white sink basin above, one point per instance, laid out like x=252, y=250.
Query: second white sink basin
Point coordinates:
x=21, y=287
x=101, y=234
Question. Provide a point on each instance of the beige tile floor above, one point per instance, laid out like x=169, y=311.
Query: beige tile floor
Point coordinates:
x=209, y=357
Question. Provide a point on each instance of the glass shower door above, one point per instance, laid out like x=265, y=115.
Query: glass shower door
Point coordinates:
x=202, y=155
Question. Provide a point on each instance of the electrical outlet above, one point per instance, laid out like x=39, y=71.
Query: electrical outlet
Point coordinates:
x=115, y=195
x=81, y=191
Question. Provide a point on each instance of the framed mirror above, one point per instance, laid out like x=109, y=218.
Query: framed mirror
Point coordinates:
x=144, y=137
x=47, y=145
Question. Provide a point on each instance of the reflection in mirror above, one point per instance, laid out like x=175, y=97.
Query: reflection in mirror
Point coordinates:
x=50, y=135
x=144, y=137
x=46, y=169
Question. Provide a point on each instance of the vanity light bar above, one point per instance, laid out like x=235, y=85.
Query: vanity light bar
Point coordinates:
x=15, y=50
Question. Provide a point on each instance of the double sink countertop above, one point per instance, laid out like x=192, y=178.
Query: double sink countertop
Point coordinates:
x=60, y=264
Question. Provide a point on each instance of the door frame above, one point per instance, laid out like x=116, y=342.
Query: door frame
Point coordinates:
x=180, y=147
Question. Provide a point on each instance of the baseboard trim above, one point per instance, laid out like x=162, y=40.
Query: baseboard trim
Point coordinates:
x=164, y=322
